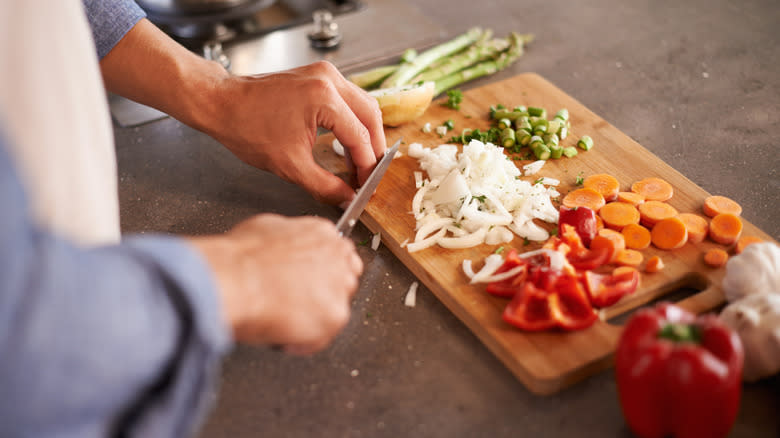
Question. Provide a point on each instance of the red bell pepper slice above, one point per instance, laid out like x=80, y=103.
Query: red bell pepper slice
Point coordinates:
x=511, y=286
x=579, y=256
x=582, y=219
x=607, y=289
x=678, y=374
x=563, y=304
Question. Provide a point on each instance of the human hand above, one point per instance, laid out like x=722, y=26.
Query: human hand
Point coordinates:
x=284, y=281
x=270, y=121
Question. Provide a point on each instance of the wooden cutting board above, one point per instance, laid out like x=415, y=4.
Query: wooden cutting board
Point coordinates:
x=550, y=361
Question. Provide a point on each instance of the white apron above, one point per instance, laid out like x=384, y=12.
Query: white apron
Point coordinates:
x=54, y=114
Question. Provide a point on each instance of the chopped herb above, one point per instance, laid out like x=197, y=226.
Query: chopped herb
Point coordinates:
x=369, y=315
x=526, y=241
x=365, y=242
x=454, y=98
x=554, y=231
x=449, y=124
x=580, y=180
x=480, y=198
x=539, y=181
x=499, y=250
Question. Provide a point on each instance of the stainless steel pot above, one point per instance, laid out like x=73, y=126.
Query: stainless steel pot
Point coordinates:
x=180, y=11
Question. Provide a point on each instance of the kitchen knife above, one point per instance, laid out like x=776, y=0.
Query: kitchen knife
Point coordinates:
x=352, y=213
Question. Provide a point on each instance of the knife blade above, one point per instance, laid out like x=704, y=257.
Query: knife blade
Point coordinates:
x=350, y=216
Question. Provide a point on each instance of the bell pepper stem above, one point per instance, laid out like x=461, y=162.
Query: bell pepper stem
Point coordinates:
x=680, y=333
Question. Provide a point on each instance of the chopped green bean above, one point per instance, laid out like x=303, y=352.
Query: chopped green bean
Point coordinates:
x=537, y=112
x=555, y=151
x=541, y=151
x=562, y=114
x=523, y=137
x=508, y=137
x=504, y=124
x=585, y=142
x=523, y=123
x=569, y=151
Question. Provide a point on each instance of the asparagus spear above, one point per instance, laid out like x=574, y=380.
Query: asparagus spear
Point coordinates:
x=488, y=67
x=370, y=79
x=407, y=71
x=474, y=54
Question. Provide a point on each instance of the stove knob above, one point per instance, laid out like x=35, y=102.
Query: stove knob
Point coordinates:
x=326, y=33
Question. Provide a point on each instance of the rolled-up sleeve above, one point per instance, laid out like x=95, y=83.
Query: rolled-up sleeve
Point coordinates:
x=110, y=20
x=121, y=340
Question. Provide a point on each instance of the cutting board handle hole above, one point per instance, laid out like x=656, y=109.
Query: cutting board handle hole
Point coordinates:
x=693, y=291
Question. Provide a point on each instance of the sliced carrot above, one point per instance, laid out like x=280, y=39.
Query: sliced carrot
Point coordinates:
x=636, y=236
x=619, y=214
x=652, y=212
x=669, y=233
x=653, y=189
x=716, y=257
x=715, y=205
x=744, y=241
x=603, y=183
x=630, y=198
x=725, y=228
x=599, y=223
x=629, y=257
x=584, y=197
x=697, y=226
x=654, y=264
x=610, y=240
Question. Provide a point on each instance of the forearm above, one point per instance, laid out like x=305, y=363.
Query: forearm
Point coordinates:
x=147, y=66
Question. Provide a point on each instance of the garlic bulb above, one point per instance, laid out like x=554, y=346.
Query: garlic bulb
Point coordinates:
x=756, y=270
x=756, y=319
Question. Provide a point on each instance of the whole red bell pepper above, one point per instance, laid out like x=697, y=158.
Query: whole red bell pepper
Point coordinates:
x=678, y=374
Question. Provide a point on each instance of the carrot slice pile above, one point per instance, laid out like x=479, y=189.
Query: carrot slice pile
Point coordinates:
x=636, y=236
x=584, y=197
x=603, y=183
x=697, y=226
x=654, y=264
x=744, y=241
x=630, y=198
x=610, y=240
x=652, y=212
x=629, y=257
x=716, y=257
x=715, y=205
x=653, y=189
x=725, y=228
x=619, y=214
x=669, y=233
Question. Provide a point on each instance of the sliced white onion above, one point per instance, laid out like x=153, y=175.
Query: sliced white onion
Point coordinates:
x=418, y=179
x=466, y=241
x=532, y=168
x=338, y=148
x=425, y=243
x=546, y=180
x=498, y=235
x=557, y=259
x=411, y=295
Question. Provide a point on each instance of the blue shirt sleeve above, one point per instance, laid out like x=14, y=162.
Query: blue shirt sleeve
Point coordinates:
x=121, y=340
x=110, y=20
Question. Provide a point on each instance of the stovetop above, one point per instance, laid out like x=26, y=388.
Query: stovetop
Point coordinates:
x=372, y=32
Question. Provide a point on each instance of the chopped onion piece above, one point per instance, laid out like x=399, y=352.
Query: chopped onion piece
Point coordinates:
x=427, y=242
x=416, y=150
x=466, y=241
x=375, y=241
x=411, y=295
x=546, y=180
x=467, y=268
x=532, y=168
x=338, y=148
x=418, y=179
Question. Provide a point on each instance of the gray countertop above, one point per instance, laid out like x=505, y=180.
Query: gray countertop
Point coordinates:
x=696, y=82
